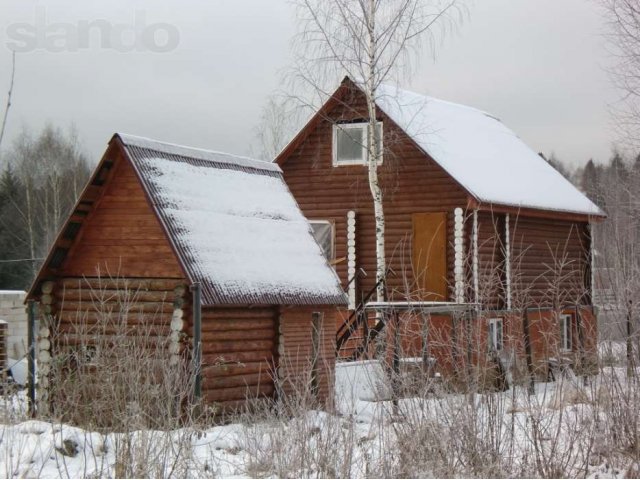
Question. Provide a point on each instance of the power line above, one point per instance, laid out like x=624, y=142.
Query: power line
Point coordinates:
x=22, y=260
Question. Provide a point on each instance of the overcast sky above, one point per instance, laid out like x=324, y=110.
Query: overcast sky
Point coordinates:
x=535, y=64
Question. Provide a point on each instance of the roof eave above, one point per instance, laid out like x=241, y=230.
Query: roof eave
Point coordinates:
x=31, y=291
x=588, y=217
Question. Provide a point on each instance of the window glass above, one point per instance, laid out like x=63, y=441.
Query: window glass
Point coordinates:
x=350, y=143
x=565, y=332
x=495, y=339
x=323, y=233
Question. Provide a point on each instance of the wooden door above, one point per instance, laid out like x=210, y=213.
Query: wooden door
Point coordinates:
x=430, y=255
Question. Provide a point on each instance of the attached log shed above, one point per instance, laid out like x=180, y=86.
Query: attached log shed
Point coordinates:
x=183, y=227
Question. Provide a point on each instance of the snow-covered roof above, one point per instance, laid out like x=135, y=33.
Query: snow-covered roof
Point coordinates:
x=488, y=159
x=235, y=226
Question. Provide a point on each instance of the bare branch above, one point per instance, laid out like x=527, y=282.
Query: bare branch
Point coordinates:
x=9, y=95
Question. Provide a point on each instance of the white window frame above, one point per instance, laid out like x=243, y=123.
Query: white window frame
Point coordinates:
x=492, y=334
x=364, y=157
x=566, y=332
x=333, y=237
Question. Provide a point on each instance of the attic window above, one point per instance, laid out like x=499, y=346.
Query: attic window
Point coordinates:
x=350, y=143
x=323, y=232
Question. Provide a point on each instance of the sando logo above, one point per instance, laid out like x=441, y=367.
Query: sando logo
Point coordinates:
x=139, y=36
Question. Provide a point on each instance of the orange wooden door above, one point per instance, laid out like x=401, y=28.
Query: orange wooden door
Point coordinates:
x=430, y=255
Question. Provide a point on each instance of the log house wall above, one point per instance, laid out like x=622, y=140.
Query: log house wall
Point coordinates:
x=413, y=183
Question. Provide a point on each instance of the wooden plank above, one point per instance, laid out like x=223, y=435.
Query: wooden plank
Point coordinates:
x=237, y=393
x=237, y=368
x=110, y=295
x=211, y=346
x=219, y=358
x=147, y=307
x=235, y=324
x=239, y=335
x=243, y=380
x=237, y=313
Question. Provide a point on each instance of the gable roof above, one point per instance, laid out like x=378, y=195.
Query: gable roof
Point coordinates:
x=478, y=151
x=234, y=226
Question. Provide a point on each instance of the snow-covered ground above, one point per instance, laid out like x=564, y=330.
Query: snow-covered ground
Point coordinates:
x=562, y=430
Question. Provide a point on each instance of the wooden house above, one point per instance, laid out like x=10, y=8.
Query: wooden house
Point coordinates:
x=473, y=217
x=215, y=244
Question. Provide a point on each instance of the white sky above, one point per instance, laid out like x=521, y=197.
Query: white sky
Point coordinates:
x=535, y=64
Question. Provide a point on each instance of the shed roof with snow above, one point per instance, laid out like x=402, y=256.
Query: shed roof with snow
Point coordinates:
x=477, y=150
x=232, y=223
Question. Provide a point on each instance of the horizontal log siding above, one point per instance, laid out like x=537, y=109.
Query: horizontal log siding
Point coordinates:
x=80, y=304
x=122, y=235
x=491, y=280
x=411, y=183
x=549, y=262
x=239, y=350
x=295, y=359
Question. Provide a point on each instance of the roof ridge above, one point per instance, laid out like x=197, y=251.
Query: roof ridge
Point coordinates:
x=440, y=100
x=196, y=153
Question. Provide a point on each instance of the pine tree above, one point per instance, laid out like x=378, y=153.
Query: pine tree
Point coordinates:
x=617, y=168
x=590, y=181
x=15, y=269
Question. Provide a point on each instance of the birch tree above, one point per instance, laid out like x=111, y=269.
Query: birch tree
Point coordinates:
x=41, y=184
x=279, y=119
x=373, y=42
x=624, y=45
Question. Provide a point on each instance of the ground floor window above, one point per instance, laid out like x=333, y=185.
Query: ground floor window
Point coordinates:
x=496, y=336
x=566, y=340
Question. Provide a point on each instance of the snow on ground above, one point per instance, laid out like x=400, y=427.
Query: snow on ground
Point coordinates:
x=363, y=438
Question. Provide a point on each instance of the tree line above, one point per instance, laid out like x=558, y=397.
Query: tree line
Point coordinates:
x=41, y=177
x=615, y=187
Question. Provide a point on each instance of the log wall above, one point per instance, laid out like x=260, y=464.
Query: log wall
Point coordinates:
x=239, y=351
x=550, y=262
x=121, y=235
x=79, y=313
x=412, y=183
x=295, y=364
x=491, y=254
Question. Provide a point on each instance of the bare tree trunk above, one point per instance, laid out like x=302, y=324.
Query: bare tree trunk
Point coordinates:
x=629, y=338
x=370, y=42
x=373, y=149
x=9, y=95
x=31, y=236
x=527, y=348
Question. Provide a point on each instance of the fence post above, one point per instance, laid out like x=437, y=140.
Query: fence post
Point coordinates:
x=196, y=289
x=528, y=352
x=4, y=333
x=395, y=382
x=31, y=358
x=316, y=329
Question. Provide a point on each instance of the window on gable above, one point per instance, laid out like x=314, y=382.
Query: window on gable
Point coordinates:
x=496, y=334
x=323, y=232
x=350, y=143
x=566, y=340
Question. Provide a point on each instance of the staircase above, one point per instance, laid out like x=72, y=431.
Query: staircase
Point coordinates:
x=357, y=334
